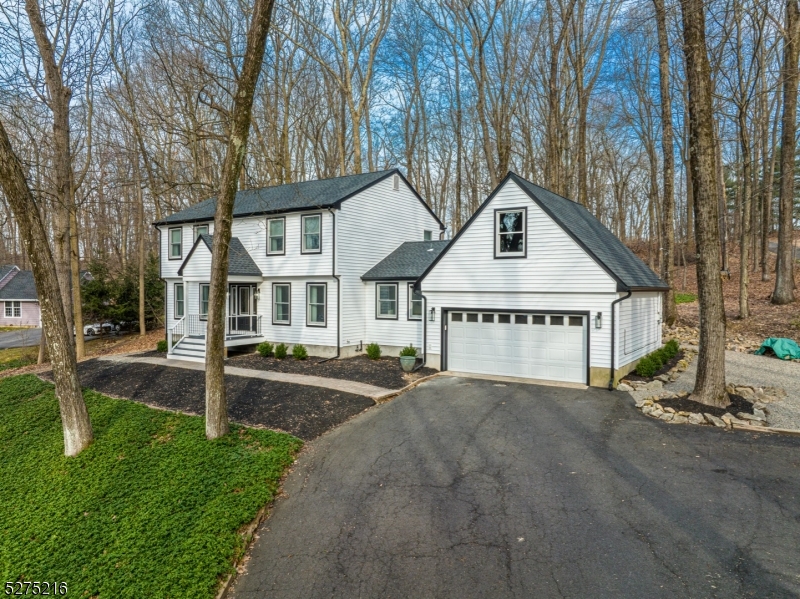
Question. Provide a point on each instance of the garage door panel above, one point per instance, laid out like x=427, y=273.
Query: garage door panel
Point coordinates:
x=541, y=347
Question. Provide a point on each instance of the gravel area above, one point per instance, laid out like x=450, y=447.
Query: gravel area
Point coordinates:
x=385, y=372
x=756, y=371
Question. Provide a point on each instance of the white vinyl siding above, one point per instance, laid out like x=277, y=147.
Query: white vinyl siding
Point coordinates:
x=366, y=232
x=638, y=326
x=396, y=333
x=554, y=262
x=297, y=331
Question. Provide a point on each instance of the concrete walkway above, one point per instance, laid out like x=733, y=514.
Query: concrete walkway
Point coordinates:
x=345, y=386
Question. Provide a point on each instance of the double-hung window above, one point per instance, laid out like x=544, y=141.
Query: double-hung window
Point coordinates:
x=204, y=292
x=311, y=242
x=316, y=294
x=276, y=236
x=179, y=302
x=414, y=303
x=386, y=300
x=281, y=303
x=13, y=310
x=175, y=244
x=200, y=230
x=510, y=233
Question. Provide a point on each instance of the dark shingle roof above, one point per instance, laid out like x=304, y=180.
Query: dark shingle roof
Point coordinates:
x=595, y=238
x=20, y=287
x=307, y=195
x=4, y=270
x=407, y=262
x=240, y=262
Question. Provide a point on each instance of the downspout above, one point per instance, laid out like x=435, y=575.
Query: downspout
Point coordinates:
x=424, y=332
x=613, y=328
x=338, y=292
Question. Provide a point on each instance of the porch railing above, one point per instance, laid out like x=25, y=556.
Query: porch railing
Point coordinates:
x=243, y=326
x=196, y=327
x=175, y=333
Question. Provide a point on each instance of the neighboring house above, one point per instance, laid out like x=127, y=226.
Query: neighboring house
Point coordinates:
x=532, y=286
x=19, y=303
x=297, y=255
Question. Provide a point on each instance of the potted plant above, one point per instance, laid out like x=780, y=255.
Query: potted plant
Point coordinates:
x=408, y=357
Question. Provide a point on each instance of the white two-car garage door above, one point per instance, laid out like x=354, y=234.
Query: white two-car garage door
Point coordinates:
x=540, y=346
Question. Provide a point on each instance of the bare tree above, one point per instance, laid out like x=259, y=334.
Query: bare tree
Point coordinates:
x=784, y=272
x=74, y=416
x=216, y=402
x=710, y=383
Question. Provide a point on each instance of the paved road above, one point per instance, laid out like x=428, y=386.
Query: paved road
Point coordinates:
x=462, y=488
x=20, y=338
x=773, y=247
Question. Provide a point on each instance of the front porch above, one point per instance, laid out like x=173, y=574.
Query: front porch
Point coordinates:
x=186, y=339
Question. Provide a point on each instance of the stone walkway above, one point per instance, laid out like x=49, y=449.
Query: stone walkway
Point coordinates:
x=743, y=369
x=345, y=386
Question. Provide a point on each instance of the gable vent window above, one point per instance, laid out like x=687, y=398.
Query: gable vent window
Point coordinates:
x=510, y=233
x=396, y=182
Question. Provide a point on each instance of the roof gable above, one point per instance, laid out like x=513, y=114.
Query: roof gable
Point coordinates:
x=407, y=262
x=21, y=286
x=292, y=197
x=240, y=263
x=602, y=246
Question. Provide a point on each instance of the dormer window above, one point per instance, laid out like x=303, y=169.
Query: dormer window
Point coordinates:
x=510, y=233
x=312, y=236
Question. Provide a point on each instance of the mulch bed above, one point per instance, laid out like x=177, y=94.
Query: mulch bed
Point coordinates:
x=663, y=370
x=385, y=372
x=301, y=410
x=683, y=403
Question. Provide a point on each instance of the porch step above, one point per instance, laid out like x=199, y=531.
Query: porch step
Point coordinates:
x=189, y=348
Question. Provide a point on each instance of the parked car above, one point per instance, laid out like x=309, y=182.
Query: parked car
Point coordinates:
x=92, y=329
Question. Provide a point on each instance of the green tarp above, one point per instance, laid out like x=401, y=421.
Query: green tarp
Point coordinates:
x=785, y=349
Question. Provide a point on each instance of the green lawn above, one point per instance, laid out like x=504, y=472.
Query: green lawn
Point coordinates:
x=150, y=509
x=18, y=356
x=685, y=298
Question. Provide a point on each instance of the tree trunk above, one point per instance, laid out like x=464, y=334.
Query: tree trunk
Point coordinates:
x=59, y=99
x=784, y=279
x=75, y=282
x=668, y=203
x=142, y=236
x=744, y=240
x=74, y=416
x=216, y=401
x=710, y=384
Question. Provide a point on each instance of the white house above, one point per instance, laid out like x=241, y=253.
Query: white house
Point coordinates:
x=532, y=286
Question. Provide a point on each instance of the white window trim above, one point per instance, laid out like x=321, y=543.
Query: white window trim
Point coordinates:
x=427, y=233
x=282, y=322
x=411, y=301
x=378, y=314
x=175, y=301
x=303, y=218
x=200, y=312
x=324, y=322
x=169, y=243
x=497, y=234
x=15, y=306
x=269, y=237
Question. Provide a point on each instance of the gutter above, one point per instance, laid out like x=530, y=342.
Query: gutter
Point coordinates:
x=338, y=293
x=424, y=332
x=613, y=328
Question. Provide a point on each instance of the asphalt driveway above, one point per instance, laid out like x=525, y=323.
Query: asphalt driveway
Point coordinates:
x=464, y=488
x=21, y=337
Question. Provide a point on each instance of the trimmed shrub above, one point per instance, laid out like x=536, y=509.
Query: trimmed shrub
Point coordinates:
x=265, y=349
x=646, y=367
x=673, y=347
x=299, y=352
x=409, y=351
x=374, y=351
x=281, y=351
x=162, y=346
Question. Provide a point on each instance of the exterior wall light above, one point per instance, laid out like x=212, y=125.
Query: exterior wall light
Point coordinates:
x=598, y=320
x=432, y=314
